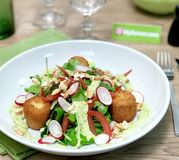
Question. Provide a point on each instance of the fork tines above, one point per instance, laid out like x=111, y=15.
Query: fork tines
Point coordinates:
x=164, y=60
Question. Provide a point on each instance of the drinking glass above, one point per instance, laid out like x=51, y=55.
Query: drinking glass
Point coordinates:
x=50, y=18
x=7, y=26
x=87, y=8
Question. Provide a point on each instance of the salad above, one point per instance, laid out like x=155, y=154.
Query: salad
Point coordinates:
x=77, y=104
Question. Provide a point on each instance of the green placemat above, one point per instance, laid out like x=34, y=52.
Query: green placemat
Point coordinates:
x=43, y=37
x=16, y=150
x=2, y=150
x=8, y=146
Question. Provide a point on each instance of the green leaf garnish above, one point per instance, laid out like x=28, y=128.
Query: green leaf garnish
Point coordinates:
x=107, y=86
x=57, y=114
x=79, y=96
x=101, y=107
x=71, y=64
x=70, y=137
x=87, y=81
x=72, y=117
x=34, y=88
x=84, y=140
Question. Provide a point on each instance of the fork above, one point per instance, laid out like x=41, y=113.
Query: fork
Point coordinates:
x=165, y=62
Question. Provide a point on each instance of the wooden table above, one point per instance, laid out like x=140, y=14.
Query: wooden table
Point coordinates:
x=160, y=143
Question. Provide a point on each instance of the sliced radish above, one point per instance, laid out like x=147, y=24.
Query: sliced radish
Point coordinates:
x=47, y=140
x=20, y=100
x=104, y=95
x=63, y=103
x=55, y=129
x=73, y=89
x=102, y=139
x=138, y=96
x=28, y=96
x=107, y=82
x=82, y=68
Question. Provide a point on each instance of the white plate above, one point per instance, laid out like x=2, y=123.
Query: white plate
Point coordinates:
x=147, y=77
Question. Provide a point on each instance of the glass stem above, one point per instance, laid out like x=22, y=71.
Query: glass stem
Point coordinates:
x=87, y=26
x=87, y=34
x=49, y=5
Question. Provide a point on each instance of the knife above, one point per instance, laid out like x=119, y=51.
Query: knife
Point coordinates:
x=177, y=60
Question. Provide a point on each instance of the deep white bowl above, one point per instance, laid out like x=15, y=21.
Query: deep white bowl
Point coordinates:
x=147, y=77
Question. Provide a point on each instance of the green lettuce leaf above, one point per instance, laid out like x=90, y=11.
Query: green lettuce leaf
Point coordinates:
x=71, y=64
x=34, y=88
x=84, y=140
x=79, y=96
x=70, y=137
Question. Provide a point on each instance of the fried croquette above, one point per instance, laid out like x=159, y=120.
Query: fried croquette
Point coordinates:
x=36, y=112
x=123, y=106
x=82, y=60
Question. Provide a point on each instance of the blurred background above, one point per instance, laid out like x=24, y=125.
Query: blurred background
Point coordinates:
x=121, y=11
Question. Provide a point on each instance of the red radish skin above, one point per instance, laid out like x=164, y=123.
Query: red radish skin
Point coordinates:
x=20, y=100
x=63, y=70
x=41, y=142
x=104, y=95
x=47, y=140
x=83, y=84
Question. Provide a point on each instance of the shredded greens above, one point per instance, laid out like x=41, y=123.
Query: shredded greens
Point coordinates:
x=74, y=119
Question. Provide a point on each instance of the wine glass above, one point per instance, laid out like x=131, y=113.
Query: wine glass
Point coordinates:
x=87, y=8
x=50, y=18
